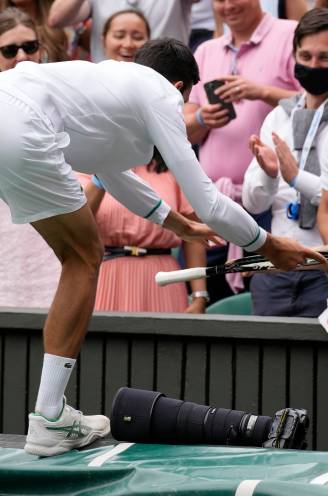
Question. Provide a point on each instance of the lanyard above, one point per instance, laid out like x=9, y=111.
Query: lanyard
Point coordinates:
x=312, y=130
x=293, y=208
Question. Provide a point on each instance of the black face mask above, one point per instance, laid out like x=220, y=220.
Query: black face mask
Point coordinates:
x=313, y=80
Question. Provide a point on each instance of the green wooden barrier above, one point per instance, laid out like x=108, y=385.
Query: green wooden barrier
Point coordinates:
x=254, y=364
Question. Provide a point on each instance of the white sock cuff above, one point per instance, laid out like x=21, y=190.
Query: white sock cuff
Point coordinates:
x=59, y=361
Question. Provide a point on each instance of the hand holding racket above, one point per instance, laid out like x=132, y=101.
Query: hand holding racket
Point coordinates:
x=254, y=263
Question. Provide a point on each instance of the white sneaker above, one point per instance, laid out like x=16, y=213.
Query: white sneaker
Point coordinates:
x=70, y=430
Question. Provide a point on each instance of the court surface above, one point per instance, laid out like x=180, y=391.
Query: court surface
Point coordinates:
x=111, y=468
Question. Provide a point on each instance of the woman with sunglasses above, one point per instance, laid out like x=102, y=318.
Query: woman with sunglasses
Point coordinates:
x=18, y=39
x=29, y=270
x=54, y=40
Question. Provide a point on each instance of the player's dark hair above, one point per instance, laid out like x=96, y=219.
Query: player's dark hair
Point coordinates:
x=171, y=58
x=157, y=163
x=313, y=22
x=136, y=12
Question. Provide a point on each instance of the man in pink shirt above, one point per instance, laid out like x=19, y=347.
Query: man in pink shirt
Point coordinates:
x=255, y=60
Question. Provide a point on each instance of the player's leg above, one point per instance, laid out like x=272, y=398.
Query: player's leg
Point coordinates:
x=75, y=240
x=56, y=427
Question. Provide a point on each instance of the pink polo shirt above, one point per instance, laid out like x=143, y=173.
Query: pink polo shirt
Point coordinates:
x=266, y=59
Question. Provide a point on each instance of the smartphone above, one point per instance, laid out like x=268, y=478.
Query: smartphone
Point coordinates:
x=209, y=88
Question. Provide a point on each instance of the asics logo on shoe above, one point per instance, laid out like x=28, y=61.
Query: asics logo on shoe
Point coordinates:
x=67, y=365
x=74, y=431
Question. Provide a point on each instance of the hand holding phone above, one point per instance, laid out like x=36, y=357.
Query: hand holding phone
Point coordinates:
x=210, y=88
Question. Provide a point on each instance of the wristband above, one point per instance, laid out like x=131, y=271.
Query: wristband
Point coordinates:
x=201, y=294
x=96, y=181
x=293, y=182
x=199, y=118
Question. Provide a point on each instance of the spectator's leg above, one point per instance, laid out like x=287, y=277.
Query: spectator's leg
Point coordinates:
x=217, y=287
x=312, y=294
x=274, y=294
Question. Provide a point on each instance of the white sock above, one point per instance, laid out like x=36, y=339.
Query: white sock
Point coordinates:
x=56, y=372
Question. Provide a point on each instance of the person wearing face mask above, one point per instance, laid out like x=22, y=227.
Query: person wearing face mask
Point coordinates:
x=287, y=174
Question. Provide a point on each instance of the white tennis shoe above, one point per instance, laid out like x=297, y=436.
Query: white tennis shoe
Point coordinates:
x=70, y=430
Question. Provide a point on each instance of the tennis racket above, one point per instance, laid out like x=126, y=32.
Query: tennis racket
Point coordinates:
x=253, y=263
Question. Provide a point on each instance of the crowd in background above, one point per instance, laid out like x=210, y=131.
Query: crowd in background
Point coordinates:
x=251, y=51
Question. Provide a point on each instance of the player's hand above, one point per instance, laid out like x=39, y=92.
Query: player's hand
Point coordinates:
x=214, y=115
x=237, y=88
x=190, y=230
x=288, y=165
x=201, y=233
x=265, y=156
x=320, y=248
x=287, y=254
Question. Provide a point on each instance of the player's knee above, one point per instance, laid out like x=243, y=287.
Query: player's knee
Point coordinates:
x=86, y=258
x=93, y=257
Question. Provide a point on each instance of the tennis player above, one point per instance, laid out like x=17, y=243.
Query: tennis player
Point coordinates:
x=104, y=119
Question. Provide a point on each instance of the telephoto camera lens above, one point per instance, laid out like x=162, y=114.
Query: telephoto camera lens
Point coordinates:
x=150, y=417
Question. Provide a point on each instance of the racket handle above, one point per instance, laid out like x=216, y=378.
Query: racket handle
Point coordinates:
x=164, y=278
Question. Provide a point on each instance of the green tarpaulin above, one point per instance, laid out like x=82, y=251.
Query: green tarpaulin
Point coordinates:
x=139, y=469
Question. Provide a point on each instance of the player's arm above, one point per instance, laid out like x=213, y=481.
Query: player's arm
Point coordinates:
x=136, y=195
x=224, y=216
x=67, y=12
x=228, y=219
x=94, y=192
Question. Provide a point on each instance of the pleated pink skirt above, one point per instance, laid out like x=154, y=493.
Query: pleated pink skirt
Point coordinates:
x=127, y=284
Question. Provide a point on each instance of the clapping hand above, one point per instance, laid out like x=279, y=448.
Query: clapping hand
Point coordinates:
x=266, y=157
x=288, y=164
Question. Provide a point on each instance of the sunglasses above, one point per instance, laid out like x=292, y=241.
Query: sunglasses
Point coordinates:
x=29, y=47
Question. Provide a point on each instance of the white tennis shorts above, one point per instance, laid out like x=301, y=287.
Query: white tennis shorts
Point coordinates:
x=35, y=180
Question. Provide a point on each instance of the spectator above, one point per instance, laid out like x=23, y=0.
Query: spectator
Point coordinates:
x=127, y=282
x=285, y=9
x=54, y=41
x=166, y=18
x=124, y=32
x=18, y=39
x=290, y=182
x=113, y=110
x=240, y=58
x=203, y=24
x=29, y=270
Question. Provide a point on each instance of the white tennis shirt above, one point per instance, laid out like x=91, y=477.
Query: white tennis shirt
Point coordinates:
x=108, y=117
